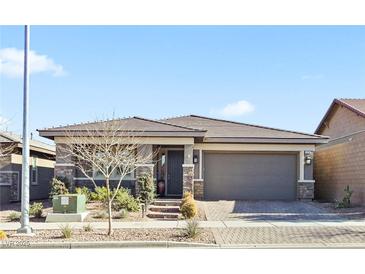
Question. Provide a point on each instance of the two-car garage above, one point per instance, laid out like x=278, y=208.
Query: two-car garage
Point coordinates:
x=250, y=176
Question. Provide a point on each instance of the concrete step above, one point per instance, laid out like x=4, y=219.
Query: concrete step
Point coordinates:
x=171, y=209
x=163, y=215
x=167, y=202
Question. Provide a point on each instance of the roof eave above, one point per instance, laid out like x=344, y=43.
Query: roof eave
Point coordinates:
x=260, y=140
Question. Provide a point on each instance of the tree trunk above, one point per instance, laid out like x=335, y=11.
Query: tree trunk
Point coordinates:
x=110, y=229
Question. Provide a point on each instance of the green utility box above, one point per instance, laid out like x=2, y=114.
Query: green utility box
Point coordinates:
x=69, y=203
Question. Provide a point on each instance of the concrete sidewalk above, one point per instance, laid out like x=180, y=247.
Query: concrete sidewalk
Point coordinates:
x=182, y=224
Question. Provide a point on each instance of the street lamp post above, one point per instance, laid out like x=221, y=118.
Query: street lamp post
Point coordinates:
x=25, y=227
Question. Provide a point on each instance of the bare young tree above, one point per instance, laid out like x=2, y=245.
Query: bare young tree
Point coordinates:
x=108, y=148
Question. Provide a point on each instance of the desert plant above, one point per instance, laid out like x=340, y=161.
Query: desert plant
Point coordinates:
x=147, y=189
x=124, y=200
x=36, y=210
x=192, y=228
x=122, y=214
x=102, y=214
x=57, y=188
x=100, y=194
x=186, y=197
x=188, y=208
x=66, y=231
x=3, y=235
x=84, y=191
x=346, y=200
x=14, y=216
x=88, y=228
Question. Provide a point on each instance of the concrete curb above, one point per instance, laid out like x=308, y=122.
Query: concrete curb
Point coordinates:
x=108, y=244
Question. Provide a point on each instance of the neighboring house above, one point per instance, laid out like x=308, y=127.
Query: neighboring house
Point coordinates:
x=42, y=160
x=215, y=159
x=341, y=162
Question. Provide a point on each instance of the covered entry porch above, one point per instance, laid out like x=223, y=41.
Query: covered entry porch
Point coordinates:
x=172, y=169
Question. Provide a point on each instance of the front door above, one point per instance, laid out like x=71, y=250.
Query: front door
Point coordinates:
x=175, y=160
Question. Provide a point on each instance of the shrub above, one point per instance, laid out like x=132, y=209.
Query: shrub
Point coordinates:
x=124, y=200
x=187, y=196
x=101, y=215
x=192, y=228
x=66, y=231
x=100, y=194
x=14, y=216
x=84, y=191
x=3, y=235
x=57, y=188
x=147, y=189
x=122, y=214
x=188, y=208
x=36, y=210
x=88, y=228
x=346, y=200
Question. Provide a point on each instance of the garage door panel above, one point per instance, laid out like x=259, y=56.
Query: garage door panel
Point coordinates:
x=250, y=176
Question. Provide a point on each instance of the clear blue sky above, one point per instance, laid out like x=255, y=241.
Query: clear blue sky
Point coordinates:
x=287, y=76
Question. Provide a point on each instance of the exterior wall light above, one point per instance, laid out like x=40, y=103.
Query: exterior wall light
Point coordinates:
x=195, y=159
x=308, y=157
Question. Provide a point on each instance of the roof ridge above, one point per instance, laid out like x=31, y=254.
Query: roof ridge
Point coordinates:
x=349, y=105
x=253, y=125
x=165, y=123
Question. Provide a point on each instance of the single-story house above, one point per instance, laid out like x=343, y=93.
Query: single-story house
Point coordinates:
x=341, y=161
x=42, y=160
x=214, y=159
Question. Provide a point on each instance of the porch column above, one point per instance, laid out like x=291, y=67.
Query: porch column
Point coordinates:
x=188, y=169
x=305, y=186
x=144, y=169
x=64, y=167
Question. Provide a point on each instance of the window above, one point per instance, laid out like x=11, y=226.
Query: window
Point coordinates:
x=34, y=172
x=115, y=176
x=34, y=176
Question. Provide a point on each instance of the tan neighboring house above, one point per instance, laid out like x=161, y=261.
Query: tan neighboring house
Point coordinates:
x=42, y=160
x=341, y=162
x=214, y=159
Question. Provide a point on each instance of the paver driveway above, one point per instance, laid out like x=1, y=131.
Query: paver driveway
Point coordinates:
x=267, y=211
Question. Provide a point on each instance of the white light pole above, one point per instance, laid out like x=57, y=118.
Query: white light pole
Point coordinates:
x=25, y=227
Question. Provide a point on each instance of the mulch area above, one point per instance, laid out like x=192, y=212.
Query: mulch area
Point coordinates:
x=177, y=235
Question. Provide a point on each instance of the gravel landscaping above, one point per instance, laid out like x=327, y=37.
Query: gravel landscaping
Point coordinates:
x=176, y=235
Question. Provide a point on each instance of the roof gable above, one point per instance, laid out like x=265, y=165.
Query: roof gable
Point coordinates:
x=355, y=105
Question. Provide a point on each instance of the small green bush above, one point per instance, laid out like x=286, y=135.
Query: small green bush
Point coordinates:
x=101, y=214
x=14, y=216
x=346, y=200
x=36, y=210
x=84, y=191
x=66, y=231
x=189, y=208
x=187, y=196
x=100, y=194
x=122, y=214
x=88, y=228
x=192, y=228
x=3, y=235
x=124, y=200
x=57, y=188
x=147, y=189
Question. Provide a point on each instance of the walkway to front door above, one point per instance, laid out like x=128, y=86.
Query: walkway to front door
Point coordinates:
x=175, y=160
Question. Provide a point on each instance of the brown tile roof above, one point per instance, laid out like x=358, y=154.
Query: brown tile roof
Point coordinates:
x=218, y=128
x=355, y=105
x=10, y=137
x=146, y=127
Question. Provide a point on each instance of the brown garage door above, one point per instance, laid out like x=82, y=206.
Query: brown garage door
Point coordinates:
x=250, y=176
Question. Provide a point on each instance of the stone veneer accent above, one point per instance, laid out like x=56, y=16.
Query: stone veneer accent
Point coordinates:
x=188, y=178
x=305, y=190
x=141, y=171
x=199, y=189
